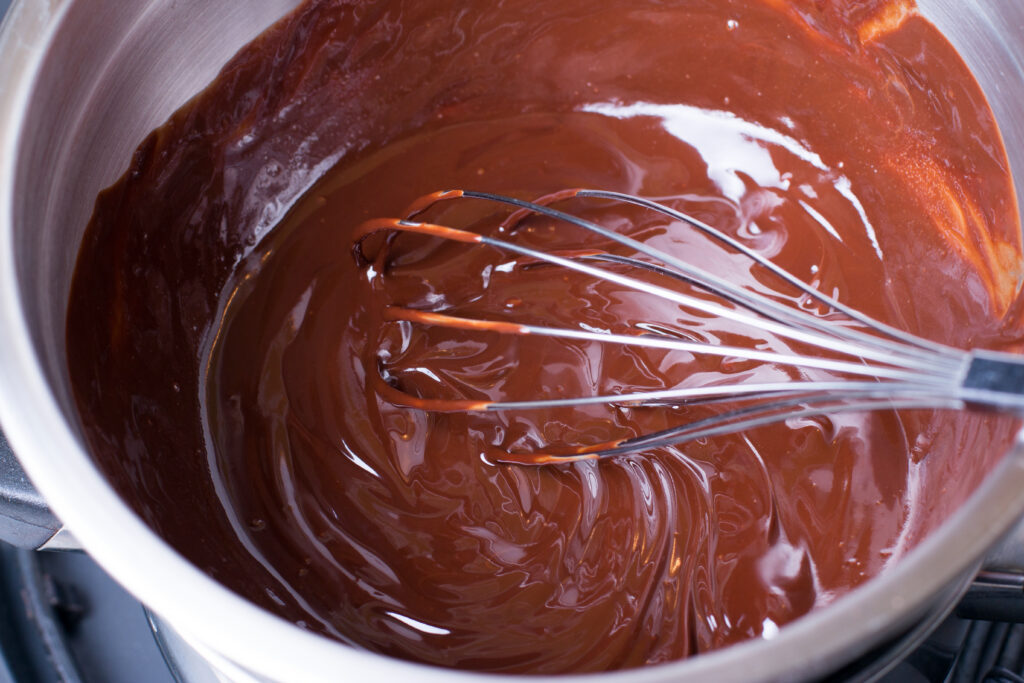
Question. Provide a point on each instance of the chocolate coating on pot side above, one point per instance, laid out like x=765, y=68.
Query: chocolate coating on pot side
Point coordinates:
x=220, y=333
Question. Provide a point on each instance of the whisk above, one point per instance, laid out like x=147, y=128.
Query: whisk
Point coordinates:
x=890, y=368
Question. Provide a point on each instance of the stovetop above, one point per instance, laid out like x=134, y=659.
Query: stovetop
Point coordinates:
x=64, y=620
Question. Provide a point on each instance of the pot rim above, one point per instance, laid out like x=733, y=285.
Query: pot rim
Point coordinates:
x=209, y=614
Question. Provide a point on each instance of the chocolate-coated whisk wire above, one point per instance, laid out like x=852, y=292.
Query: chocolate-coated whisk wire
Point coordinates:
x=903, y=370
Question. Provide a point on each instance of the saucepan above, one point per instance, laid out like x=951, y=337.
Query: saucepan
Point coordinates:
x=81, y=84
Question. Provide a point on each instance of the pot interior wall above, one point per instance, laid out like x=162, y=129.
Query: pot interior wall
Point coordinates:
x=113, y=73
x=990, y=38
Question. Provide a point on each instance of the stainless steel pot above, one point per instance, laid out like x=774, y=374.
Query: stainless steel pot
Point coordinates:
x=81, y=83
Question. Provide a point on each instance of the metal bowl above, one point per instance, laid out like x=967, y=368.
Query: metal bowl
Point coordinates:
x=83, y=82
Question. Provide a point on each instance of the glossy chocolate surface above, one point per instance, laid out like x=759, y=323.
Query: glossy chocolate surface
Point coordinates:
x=221, y=335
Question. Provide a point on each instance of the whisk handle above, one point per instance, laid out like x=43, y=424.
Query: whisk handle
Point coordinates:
x=995, y=379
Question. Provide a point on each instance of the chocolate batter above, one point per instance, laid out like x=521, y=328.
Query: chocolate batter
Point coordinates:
x=221, y=335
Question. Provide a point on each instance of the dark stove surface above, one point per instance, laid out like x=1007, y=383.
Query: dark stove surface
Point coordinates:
x=64, y=620
x=963, y=651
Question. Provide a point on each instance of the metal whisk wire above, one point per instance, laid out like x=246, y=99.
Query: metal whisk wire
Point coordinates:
x=904, y=370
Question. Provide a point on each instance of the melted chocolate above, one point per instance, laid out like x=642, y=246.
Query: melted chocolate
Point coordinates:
x=221, y=335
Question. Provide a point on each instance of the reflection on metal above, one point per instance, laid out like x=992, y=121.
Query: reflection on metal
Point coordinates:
x=195, y=664
x=1008, y=556
x=62, y=540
